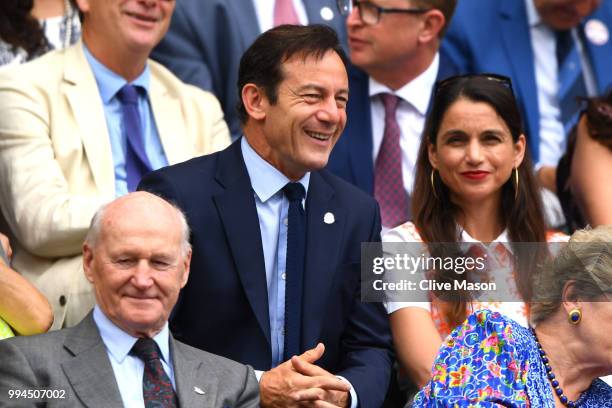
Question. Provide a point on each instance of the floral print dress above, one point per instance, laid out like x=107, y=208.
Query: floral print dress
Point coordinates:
x=492, y=361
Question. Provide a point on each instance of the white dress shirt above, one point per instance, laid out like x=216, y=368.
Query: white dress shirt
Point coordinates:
x=411, y=113
x=128, y=369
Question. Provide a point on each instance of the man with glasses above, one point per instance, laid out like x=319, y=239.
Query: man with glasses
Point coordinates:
x=553, y=50
x=396, y=43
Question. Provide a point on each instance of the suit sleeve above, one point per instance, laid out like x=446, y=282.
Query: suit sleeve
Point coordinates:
x=15, y=373
x=249, y=398
x=48, y=217
x=368, y=351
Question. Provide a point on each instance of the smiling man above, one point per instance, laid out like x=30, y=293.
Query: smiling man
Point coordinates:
x=80, y=127
x=137, y=257
x=277, y=239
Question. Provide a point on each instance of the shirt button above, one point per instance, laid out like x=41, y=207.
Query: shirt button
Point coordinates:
x=286, y=221
x=62, y=300
x=284, y=276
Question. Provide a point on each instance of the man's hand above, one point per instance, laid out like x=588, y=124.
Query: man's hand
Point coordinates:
x=332, y=398
x=285, y=387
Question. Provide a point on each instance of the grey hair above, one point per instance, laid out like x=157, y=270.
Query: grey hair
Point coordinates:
x=586, y=260
x=95, y=227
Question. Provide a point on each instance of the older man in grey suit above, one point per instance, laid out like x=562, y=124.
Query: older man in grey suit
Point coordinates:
x=137, y=257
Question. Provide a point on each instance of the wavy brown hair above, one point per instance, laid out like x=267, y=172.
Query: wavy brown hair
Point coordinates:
x=19, y=28
x=435, y=214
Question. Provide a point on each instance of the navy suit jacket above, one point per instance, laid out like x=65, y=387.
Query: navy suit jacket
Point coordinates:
x=493, y=36
x=224, y=307
x=207, y=38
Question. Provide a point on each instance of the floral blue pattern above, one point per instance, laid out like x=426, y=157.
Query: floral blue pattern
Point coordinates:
x=492, y=361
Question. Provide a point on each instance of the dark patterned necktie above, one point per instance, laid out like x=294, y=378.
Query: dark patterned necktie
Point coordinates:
x=156, y=386
x=389, y=188
x=136, y=161
x=296, y=247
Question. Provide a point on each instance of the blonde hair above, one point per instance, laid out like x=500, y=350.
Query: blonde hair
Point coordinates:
x=586, y=260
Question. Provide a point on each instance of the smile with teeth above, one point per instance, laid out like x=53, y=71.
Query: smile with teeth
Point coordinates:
x=318, y=136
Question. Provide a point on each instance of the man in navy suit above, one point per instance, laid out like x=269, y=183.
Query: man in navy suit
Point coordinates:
x=207, y=38
x=523, y=39
x=395, y=48
x=243, y=298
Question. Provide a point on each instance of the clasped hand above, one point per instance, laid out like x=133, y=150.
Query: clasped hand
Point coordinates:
x=300, y=383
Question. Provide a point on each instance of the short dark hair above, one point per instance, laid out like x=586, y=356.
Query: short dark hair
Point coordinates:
x=261, y=64
x=446, y=7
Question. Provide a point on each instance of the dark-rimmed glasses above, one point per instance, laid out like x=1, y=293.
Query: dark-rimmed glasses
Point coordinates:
x=370, y=13
x=500, y=79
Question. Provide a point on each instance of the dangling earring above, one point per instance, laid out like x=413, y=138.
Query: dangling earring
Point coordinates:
x=433, y=186
x=574, y=316
x=516, y=183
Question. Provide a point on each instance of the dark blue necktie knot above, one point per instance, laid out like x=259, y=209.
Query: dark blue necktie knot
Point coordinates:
x=128, y=94
x=294, y=191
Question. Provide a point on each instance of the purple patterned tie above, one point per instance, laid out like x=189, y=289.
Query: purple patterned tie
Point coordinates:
x=389, y=188
x=284, y=13
x=156, y=386
x=136, y=161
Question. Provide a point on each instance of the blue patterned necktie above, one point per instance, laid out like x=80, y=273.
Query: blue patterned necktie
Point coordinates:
x=156, y=386
x=570, y=76
x=136, y=161
x=296, y=249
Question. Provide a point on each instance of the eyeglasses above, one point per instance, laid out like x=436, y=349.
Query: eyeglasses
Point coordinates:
x=370, y=13
x=500, y=79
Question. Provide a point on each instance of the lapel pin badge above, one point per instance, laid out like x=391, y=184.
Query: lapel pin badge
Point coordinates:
x=327, y=14
x=329, y=218
x=597, y=32
x=198, y=390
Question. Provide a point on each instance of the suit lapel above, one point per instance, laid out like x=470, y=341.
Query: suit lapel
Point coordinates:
x=196, y=386
x=515, y=30
x=360, y=130
x=168, y=119
x=236, y=207
x=322, y=248
x=600, y=56
x=81, y=90
x=90, y=372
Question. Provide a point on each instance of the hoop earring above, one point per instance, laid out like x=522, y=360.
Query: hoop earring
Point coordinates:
x=575, y=316
x=516, y=183
x=433, y=185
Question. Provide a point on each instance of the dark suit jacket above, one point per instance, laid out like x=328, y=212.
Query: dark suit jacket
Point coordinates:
x=75, y=360
x=224, y=307
x=207, y=38
x=500, y=42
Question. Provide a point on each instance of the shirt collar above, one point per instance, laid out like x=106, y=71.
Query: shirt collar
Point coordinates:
x=119, y=343
x=501, y=239
x=109, y=82
x=416, y=92
x=533, y=17
x=266, y=180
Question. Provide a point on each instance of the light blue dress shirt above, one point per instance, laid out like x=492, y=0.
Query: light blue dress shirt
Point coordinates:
x=272, y=210
x=109, y=83
x=128, y=369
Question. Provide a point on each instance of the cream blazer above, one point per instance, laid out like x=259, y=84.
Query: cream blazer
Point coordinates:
x=56, y=167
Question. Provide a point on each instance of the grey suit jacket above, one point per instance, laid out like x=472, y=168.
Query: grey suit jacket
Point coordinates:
x=75, y=360
x=207, y=38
